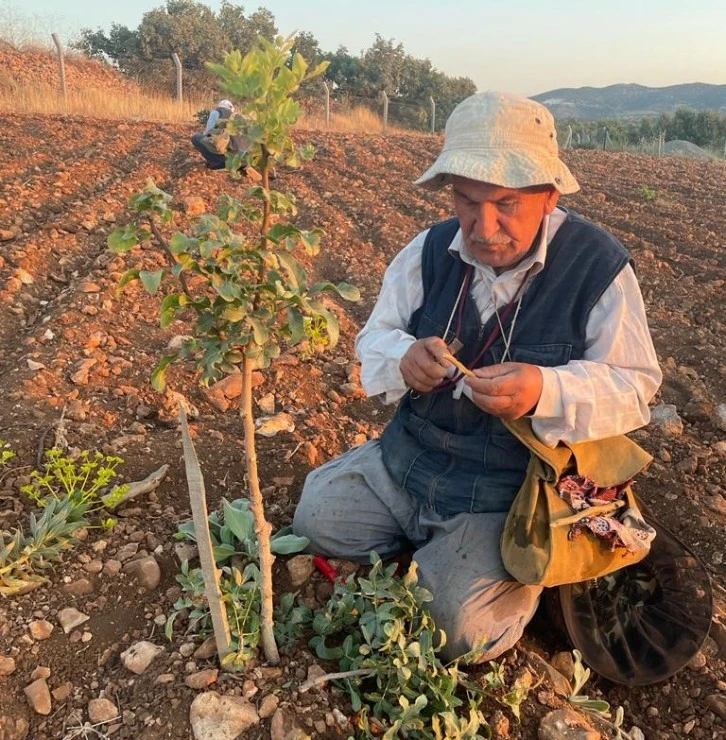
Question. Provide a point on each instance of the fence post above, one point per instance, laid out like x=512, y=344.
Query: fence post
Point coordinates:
x=605, y=138
x=327, y=104
x=568, y=141
x=61, y=65
x=178, y=67
x=661, y=142
x=433, y=114
x=385, y=111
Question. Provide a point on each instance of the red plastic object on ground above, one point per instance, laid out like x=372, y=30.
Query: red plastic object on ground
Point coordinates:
x=325, y=568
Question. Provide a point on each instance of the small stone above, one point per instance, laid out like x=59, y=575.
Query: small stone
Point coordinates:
x=717, y=704
x=38, y=696
x=138, y=657
x=112, y=567
x=35, y=366
x=564, y=663
x=127, y=551
x=71, y=618
x=271, y=426
x=193, y=205
x=80, y=376
x=553, y=679
x=215, y=717
x=715, y=503
x=7, y=665
x=80, y=587
x=202, y=679
x=665, y=417
x=146, y=571
x=300, y=569
x=566, y=724
x=268, y=705
x=500, y=725
x=719, y=417
x=62, y=692
x=6, y=235
x=698, y=409
x=42, y=671
x=101, y=710
x=719, y=448
x=284, y=727
x=207, y=650
x=314, y=672
x=267, y=404
x=40, y=629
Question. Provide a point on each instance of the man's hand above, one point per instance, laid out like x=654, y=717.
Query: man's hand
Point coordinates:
x=423, y=366
x=509, y=390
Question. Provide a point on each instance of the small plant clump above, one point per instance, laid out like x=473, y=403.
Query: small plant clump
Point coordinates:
x=648, y=194
x=67, y=491
x=236, y=550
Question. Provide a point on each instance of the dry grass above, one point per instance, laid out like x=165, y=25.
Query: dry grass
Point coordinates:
x=357, y=120
x=132, y=105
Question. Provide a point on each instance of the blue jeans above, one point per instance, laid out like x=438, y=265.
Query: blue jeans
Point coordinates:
x=214, y=161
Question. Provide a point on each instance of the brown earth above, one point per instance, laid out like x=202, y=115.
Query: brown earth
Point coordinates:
x=28, y=67
x=64, y=184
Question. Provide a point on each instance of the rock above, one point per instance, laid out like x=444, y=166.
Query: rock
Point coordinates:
x=42, y=671
x=717, y=704
x=35, y=366
x=716, y=503
x=146, y=571
x=79, y=587
x=62, y=692
x=665, y=417
x=193, y=205
x=719, y=417
x=207, y=650
x=6, y=235
x=127, y=551
x=719, y=448
x=565, y=664
x=566, y=724
x=300, y=569
x=316, y=671
x=698, y=409
x=177, y=342
x=202, y=679
x=271, y=426
x=38, y=696
x=553, y=679
x=268, y=705
x=40, y=629
x=138, y=657
x=267, y=404
x=13, y=727
x=215, y=717
x=500, y=725
x=284, y=727
x=101, y=710
x=71, y=618
x=698, y=661
x=80, y=376
x=7, y=665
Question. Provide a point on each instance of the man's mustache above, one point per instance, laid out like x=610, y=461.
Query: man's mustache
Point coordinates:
x=492, y=241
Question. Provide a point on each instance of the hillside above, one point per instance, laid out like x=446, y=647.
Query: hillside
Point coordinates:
x=631, y=100
x=73, y=348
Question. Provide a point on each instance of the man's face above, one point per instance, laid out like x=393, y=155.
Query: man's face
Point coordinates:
x=500, y=224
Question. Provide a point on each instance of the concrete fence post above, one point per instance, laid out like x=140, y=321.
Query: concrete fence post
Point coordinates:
x=385, y=111
x=61, y=65
x=568, y=141
x=433, y=114
x=327, y=104
x=179, y=79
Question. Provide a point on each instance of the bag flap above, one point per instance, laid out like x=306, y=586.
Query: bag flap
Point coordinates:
x=609, y=462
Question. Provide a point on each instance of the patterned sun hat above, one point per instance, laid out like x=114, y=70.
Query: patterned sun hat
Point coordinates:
x=502, y=139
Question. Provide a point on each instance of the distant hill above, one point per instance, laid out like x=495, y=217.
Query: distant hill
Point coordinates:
x=620, y=101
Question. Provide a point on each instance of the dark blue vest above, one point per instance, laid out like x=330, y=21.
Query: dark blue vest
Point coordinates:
x=447, y=452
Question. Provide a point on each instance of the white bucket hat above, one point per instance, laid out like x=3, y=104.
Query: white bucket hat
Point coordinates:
x=225, y=104
x=503, y=139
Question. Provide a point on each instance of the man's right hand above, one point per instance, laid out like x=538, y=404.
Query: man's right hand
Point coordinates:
x=423, y=366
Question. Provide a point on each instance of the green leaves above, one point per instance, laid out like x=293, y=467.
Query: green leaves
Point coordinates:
x=122, y=239
x=151, y=280
x=158, y=377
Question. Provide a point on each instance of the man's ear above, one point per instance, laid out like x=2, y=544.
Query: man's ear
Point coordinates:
x=550, y=204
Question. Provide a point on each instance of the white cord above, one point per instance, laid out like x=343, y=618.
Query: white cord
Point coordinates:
x=456, y=304
x=507, y=339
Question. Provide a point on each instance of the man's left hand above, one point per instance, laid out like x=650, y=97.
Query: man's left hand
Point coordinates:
x=509, y=390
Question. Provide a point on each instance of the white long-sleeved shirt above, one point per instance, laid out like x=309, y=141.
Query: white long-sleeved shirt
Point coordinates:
x=604, y=394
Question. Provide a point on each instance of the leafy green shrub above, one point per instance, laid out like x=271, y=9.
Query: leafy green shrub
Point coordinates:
x=379, y=631
x=68, y=490
x=648, y=194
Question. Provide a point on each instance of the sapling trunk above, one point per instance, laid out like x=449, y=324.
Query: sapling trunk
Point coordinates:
x=262, y=526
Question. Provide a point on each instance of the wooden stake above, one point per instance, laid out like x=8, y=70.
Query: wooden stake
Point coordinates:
x=198, y=499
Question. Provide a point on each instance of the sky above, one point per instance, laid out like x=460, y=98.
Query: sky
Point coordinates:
x=522, y=46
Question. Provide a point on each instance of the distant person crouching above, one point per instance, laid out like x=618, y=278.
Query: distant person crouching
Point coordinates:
x=214, y=142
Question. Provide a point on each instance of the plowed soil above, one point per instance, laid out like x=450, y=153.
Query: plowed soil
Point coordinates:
x=64, y=184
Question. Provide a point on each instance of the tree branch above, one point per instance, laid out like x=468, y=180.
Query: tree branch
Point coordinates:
x=170, y=256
